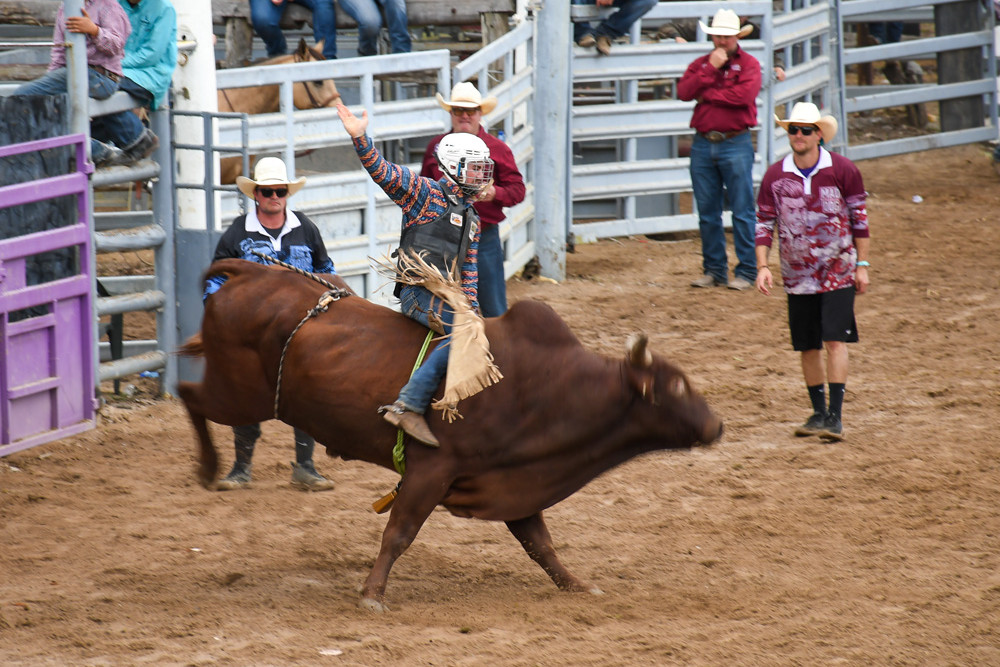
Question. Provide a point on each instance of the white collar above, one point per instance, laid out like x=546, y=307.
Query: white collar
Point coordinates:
x=252, y=224
x=788, y=165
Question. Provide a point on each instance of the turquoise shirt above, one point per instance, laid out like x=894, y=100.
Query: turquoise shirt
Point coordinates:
x=151, y=49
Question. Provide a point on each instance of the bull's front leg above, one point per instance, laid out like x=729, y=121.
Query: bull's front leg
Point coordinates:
x=534, y=536
x=418, y=496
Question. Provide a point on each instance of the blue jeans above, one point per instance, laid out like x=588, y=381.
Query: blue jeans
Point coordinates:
x=887, y=32
x=122, y=128
x=369, y=19
x=415, y=303
x=492, y=286
x=727, y=164
x=266, y=19
x=618, y=23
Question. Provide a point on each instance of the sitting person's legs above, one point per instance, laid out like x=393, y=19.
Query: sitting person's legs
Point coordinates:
x=398, y=25
x=266, y=19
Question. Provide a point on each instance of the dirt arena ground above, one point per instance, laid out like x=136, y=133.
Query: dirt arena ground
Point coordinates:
x=764, y=550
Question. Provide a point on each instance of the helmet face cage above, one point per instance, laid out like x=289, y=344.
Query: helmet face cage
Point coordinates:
x=465, y=159
x=474, y=175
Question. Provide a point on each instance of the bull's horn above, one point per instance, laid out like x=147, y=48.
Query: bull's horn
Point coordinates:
x=636, y=351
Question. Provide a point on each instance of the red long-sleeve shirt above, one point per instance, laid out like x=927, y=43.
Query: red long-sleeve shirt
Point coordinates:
x=727, y=96
x=507, y=179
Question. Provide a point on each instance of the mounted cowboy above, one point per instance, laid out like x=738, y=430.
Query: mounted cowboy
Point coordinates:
x=271, y=229
x=440, y=228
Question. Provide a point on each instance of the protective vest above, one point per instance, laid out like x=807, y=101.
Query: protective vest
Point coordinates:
x=444, y=241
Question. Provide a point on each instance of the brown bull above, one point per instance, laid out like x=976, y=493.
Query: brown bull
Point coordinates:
x=560, y=417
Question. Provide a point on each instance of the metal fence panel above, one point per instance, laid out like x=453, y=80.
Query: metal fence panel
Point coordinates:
x=47, y=377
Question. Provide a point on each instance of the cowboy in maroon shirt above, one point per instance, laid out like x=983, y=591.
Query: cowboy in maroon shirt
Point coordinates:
x=725, y=84
x=467, y=107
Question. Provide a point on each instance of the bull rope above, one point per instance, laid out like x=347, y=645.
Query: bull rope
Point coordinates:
x=333, y=293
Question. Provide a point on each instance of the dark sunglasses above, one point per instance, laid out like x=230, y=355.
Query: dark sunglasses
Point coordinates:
x=462, y=111
x=267, y=192
x=806, y=131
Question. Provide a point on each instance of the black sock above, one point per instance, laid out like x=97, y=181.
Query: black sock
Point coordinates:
x=245, y=439
x=303, y=447
x=837, y=390
x=818, y=398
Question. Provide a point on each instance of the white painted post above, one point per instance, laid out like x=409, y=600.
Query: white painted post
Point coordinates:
x=194, y=90
x=553, y=159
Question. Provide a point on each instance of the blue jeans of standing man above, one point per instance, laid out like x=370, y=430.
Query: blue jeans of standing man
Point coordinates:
x=618, y=23
x=266, y=19
x=415, y=303
x=122, y=128
x=367, y=15
x=492, y=286
x=725, y=165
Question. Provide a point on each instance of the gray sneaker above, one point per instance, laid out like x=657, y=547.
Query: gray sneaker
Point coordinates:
x=305, y=477
x=707, y=280
x=813, y=425
x=238, y=478
x=833, y=430
x=739, y=283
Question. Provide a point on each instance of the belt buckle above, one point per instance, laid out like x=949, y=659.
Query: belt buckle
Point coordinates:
x=715, y=136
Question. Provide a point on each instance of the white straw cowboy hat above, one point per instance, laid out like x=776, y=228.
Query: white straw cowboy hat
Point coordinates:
x=466, y=96
x=726, y=23
x=270, y=172
x=807, y=113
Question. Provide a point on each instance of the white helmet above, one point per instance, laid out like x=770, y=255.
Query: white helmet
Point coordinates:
x=465, y=159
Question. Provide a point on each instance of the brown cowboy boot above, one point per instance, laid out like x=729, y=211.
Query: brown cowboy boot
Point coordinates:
x=411, y=422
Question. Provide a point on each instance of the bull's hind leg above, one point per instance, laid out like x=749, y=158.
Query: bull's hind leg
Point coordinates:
x=208, y=459
x=418, y=496
x=534, y=536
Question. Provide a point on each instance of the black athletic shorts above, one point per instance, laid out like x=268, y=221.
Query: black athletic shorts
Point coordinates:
x=815, y=318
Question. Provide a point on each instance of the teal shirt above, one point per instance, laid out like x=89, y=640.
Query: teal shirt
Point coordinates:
x=151, y=49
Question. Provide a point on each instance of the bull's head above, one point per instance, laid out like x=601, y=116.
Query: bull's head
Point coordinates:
x=668, y=391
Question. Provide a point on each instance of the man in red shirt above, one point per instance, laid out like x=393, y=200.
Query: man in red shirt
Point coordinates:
x=816, y=200
x=725, y=84
x=467, y=107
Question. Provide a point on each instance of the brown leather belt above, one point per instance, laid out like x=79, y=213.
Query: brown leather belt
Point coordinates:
x=106, y=72
x=717, y=137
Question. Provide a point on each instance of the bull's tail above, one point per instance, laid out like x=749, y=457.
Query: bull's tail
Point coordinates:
x=194, y=347
x=208, y=458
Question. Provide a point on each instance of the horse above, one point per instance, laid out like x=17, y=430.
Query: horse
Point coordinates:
x=266, y=99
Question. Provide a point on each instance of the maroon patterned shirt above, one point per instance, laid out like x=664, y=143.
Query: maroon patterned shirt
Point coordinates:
x=817, y=217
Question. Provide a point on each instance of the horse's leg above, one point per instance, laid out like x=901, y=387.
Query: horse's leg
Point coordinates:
x=418, y=496
x=534, y=537
x=208, y=459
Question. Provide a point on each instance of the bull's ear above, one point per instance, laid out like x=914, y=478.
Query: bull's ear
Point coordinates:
x=636, y=351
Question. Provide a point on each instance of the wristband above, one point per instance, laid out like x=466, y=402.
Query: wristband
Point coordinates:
x=863, y=263
x=761, y=268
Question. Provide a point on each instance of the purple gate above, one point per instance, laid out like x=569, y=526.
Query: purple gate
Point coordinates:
x=47, y=380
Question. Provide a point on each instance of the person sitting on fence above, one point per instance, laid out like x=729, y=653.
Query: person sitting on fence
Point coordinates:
x=149, y=62
x=265, y=15
x=107, y=28
x=616, y=25
x=369, y=19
